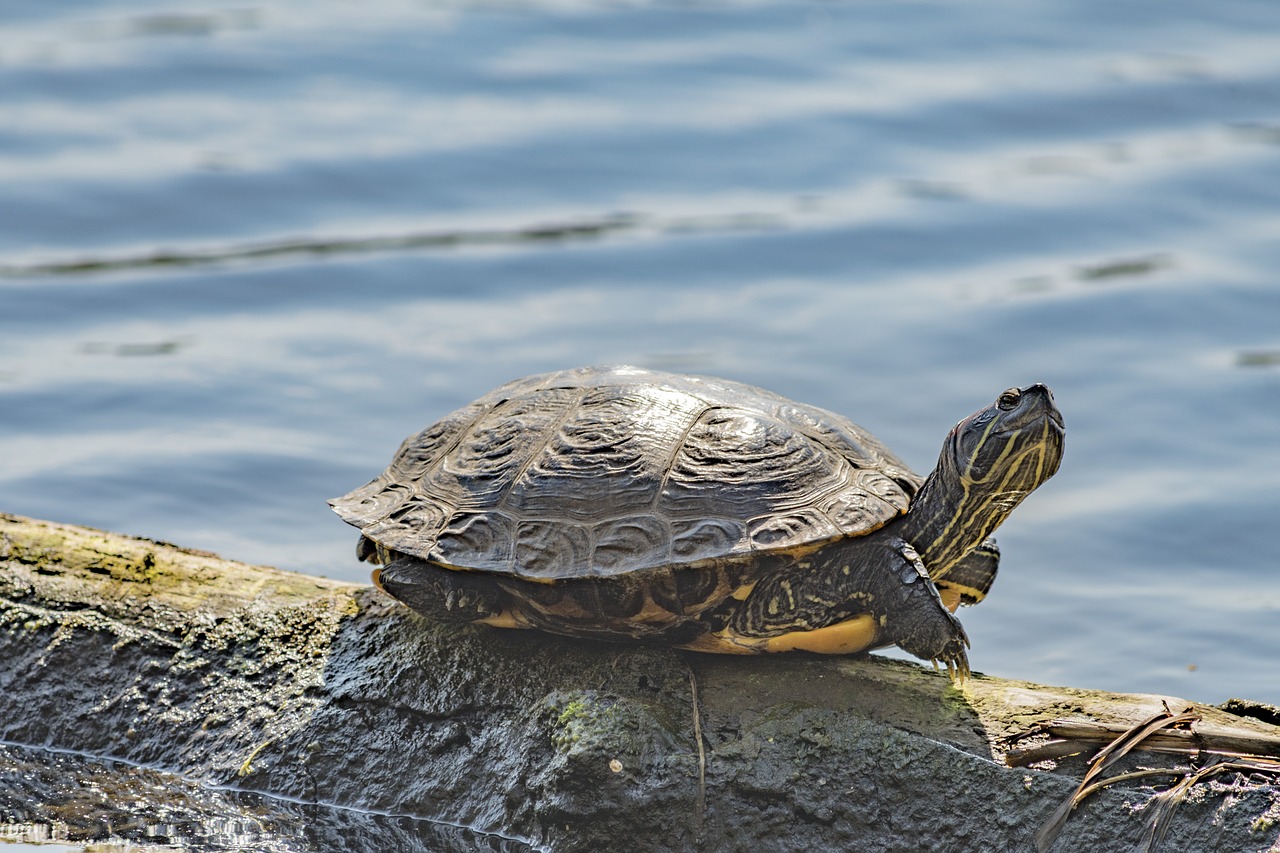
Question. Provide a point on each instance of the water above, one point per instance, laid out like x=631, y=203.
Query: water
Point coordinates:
x=51, y=800
x=244, y=250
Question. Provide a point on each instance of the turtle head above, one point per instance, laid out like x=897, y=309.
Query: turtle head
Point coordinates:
x=990, y=461
x=1009, y=447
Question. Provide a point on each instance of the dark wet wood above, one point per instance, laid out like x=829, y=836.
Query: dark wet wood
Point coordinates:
x=324, y=691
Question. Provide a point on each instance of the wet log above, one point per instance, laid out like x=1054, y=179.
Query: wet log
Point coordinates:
x=325, y=692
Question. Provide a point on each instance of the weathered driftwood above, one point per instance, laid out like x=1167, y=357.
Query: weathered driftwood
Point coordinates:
x=329, y=692
x=1071, y=737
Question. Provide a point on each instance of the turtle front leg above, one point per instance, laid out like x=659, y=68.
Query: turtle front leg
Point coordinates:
x=922, y=624
x=438, y=593
x=866, y=596
x=970, y=579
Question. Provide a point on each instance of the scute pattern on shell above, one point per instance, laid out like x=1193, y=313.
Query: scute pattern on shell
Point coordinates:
x=607, y=470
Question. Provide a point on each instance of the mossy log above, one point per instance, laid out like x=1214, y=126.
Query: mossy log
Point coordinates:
x=327, y=692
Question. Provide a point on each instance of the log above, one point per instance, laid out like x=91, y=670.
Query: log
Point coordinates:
x=314, y=691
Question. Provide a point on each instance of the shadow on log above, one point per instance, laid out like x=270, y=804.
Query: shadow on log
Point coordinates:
x=321, y=692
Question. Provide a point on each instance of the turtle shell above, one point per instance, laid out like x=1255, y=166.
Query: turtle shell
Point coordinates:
x=603, y=471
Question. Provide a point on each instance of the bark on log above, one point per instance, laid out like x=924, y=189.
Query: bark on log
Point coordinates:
x=327, y=692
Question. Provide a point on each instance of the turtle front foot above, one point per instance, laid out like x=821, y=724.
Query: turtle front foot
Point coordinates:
x=924, y=626
x=941, y=640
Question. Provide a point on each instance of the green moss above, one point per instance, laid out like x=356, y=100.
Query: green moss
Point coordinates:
x=572, y=712
x=587, y=716
x=573, y=719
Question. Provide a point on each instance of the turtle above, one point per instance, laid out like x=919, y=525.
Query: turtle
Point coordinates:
x=621, y=503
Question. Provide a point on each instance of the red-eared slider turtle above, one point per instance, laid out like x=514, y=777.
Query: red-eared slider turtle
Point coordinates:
x=622, y=503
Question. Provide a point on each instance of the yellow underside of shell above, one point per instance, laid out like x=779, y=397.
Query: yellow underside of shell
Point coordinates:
x=842, y=638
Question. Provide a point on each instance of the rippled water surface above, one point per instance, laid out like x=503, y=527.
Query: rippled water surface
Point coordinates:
x=246, y=249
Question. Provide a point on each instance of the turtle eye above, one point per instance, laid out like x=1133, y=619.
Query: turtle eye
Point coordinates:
x=1009, y=399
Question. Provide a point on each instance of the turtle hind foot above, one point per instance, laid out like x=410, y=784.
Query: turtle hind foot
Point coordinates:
x=438, y=593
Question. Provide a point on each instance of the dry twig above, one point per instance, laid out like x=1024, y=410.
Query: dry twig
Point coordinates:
x=1162, y=733
x=697, y=736
x=1106, y=758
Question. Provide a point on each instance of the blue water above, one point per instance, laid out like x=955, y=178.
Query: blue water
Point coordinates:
x=245, y=250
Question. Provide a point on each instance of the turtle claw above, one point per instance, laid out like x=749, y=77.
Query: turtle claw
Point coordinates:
x=939, y=638
x=957, y=667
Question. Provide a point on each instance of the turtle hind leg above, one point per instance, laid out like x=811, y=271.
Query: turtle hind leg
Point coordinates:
x=441, y=594
x=970, y=579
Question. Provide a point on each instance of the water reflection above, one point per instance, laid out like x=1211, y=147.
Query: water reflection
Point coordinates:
x=70, y=799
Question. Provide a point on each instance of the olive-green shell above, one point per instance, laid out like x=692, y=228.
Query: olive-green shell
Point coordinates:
x=601, y=471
